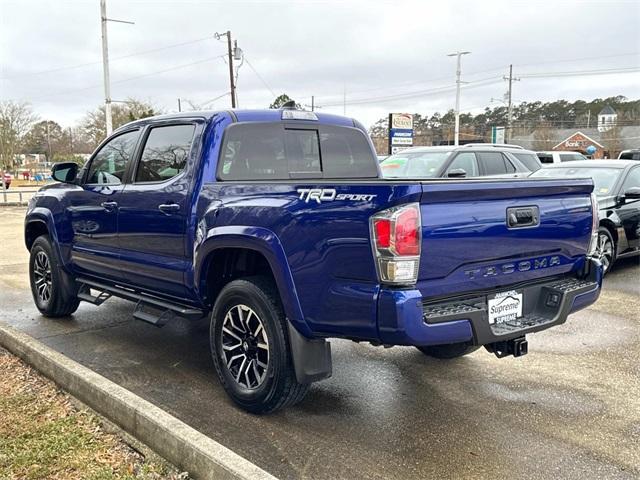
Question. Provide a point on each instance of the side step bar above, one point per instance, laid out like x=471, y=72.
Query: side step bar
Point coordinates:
x=149, y=309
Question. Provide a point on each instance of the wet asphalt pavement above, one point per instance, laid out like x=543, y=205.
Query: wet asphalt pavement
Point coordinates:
x=569, y=409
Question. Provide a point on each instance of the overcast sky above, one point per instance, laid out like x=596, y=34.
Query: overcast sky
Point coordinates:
x=386, y=56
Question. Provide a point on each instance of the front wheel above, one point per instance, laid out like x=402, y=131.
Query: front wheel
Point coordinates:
x=449, y=351
x=250, y=347
x=606, y=250
x=54, y=290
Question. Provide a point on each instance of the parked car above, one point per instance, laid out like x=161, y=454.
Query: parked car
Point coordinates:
x=617, y=186
x=277, y=226
x=559, y=157
x=472, y=160
x=7, y=180
x=633, y=154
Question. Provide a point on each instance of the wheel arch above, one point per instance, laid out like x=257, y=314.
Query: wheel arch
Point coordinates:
x=257, y=244
x=613, y=231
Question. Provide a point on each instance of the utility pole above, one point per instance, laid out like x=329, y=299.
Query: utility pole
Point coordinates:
x=232, y=83
x=456, y=138
x=313, y=103
x=509, y=102
x=179, y=105
x=105, y=63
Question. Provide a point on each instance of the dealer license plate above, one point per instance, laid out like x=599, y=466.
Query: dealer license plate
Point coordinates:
x=504, y=307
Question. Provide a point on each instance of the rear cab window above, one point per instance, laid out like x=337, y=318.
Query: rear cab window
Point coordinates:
x=283, y=151
x=545, y=157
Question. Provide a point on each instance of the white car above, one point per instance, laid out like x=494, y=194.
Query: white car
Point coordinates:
x=633, y=154
x=559, y=157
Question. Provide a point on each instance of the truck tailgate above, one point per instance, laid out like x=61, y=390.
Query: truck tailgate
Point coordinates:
x=467, y=244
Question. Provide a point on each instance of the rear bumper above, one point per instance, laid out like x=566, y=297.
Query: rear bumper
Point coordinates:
x=405, y=319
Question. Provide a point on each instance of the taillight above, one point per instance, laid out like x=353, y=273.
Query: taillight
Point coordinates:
x=595, y=224
x=396, y=239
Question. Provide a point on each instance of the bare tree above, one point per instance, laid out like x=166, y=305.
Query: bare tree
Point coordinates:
x=94, y=125
x=15, y=120
x=544, y=138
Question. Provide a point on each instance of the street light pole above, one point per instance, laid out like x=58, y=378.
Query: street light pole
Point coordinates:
x=105, y=64
x=105, y=67
x=509, y=103
x=456, y=138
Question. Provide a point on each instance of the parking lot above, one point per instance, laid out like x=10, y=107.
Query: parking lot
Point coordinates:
x=569, y=409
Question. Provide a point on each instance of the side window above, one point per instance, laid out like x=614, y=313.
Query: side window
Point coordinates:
x=493, y=163
x=467, y=162
x=511, y=168
x=545, y=158
x=568, y=157
x=632, y=180
x=109, y=164
x=165, y=153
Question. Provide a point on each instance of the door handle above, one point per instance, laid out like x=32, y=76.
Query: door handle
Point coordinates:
x=169, y=208
x=109, y=206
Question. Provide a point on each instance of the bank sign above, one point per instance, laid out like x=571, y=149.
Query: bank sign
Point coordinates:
x=400, y=132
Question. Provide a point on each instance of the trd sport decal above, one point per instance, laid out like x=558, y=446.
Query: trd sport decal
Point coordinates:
x=329, y=194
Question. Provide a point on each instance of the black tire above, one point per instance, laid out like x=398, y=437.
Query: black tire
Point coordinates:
x=606, y=250
x=249, y=303
x=54, y=290
x=448, y=351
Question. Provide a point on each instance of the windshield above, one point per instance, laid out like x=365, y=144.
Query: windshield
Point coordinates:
x=604, y=178
x=414, y=164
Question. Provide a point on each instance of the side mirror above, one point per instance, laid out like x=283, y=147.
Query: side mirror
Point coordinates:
x=457, y=173
x=65, y=172
x=632, y=193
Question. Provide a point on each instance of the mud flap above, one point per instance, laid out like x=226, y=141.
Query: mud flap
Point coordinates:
x=311, y=358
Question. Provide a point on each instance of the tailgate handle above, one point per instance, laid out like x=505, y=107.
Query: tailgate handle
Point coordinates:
x=519, y=217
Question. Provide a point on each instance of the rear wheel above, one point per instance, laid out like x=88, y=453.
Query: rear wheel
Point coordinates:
x=250, y=347
x=54, y=290
x=449, y=351
x=606, y=249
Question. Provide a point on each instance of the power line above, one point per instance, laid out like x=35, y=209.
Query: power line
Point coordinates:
x=259, y=76
x=124, y=80
x=418, y=93
x=129, y=55
x=405, y=84
x=580, y=73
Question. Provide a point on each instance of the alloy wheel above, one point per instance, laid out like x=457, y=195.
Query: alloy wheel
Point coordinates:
x=42, y=276
x=245, y=346
x=605, y=251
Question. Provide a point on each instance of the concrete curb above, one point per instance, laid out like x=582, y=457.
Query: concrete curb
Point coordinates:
x=171, y=438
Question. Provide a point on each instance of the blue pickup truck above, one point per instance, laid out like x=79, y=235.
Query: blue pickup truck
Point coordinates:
x=278, y=226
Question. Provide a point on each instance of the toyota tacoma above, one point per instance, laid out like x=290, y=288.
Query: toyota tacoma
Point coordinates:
x=278, y=227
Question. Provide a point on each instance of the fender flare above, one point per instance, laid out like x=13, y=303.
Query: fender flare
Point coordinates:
x=43, y=215
x=268, y=244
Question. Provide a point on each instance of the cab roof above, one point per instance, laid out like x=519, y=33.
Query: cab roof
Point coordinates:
x=263, y=115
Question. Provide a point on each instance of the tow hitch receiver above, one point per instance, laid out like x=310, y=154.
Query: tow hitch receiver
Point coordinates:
x=516, y=347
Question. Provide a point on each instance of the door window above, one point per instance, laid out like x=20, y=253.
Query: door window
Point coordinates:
x=467, y=162
x=165, y=153
x=632, y=180
x=493, y=163
x=109, y=164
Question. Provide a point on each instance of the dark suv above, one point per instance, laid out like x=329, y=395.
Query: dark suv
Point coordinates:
x=471, y=160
